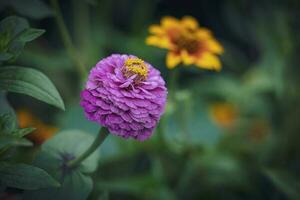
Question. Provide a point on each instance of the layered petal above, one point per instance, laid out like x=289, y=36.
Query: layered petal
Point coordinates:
x=173, y=59
x=187, y=42
x=115, y=100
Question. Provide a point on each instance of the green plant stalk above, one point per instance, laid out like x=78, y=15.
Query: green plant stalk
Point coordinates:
x=82, y=23
x=66, y=38
x=103, y=133
x=173, y=86
x=160, y=132
x=173, y=82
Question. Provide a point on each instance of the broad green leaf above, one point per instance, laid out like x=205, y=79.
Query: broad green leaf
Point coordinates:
x=30, y=34
x=284, y=181
x=74, y=143
x=31, y=82
x=55, y=153
x=25, y=177
x=74, y=185
x=7, y=141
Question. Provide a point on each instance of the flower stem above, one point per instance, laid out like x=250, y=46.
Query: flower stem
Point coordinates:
x=179, y=115
x=174, y=79
x=66, y=38
x=103, y=133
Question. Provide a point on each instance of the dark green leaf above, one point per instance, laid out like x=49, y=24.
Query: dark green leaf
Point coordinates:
x=31, y=82
x=14, y=33
x=74, y=143
x=16, y=48
x=75, y=186
x=55, y=153
x=13, y=25
x=25, y=177
x=10, y=28
x=22, y=132
x=7, y=141
x=30, y=34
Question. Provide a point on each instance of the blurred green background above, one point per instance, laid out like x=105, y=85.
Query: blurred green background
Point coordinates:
x=228, y=135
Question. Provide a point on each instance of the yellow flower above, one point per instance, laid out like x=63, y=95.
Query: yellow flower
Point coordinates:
x=223, y=114
x=187, y=43
x=43, y=131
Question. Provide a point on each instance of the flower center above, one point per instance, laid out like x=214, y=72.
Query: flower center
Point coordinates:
x=187, y=41
x=135, y=66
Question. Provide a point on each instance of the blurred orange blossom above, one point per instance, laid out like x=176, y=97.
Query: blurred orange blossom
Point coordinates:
x=223, y=114
x=42, y=132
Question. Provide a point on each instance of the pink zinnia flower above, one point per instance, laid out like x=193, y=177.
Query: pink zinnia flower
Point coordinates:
x=126, y=95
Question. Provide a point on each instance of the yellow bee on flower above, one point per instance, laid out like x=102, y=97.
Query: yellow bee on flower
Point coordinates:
x=187, y=42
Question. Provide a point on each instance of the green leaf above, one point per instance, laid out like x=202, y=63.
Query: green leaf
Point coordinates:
x=30, y=34
x=74, y=143
x=284, y=181
x=55, y=153
x=22, y=132
x=31, y=82
x=7, y=141
x=25, y=177
x=10, y=28
x=8, y=128
x=75, y=186
x=13, y=25
x=14, y=33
